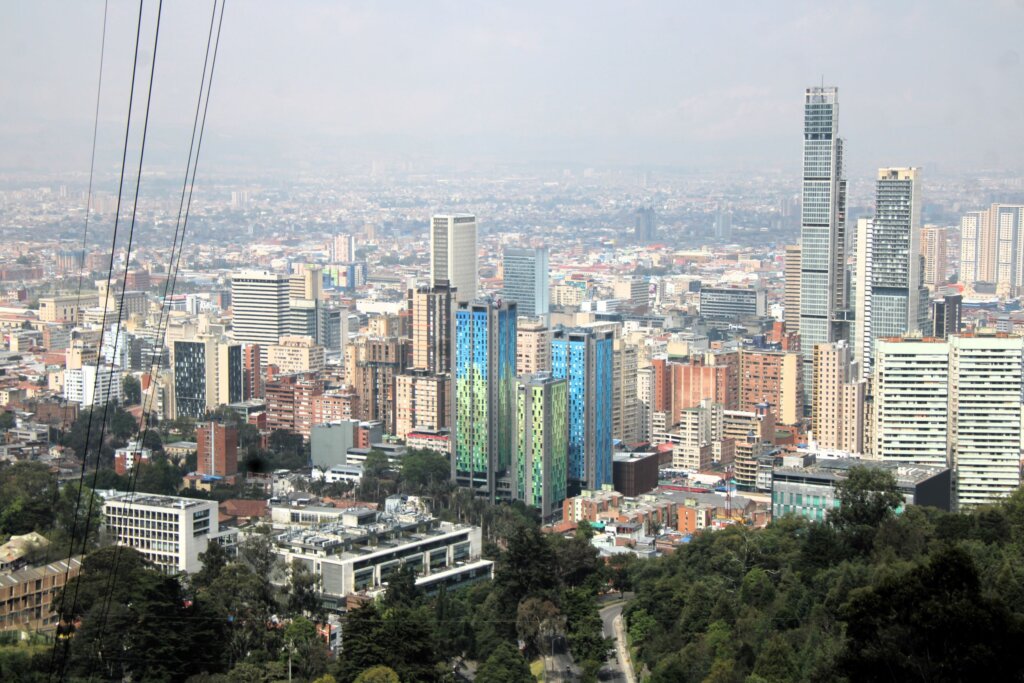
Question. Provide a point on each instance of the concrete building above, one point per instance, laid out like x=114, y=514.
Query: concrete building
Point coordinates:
x=645, y=225
x=453, y=254
x=773, y=377
x=290, y=400
x=343, y=248
x=838, y=419
x=422, y=401
x=168, y=531
x=732, y=304
x=433, y=318
x=260, y=306
x=985, y=416
x=992, y=249
x=625, y=405
x=90, y=385
x=65, y=308
x=375, y=364
x=27, y=595
x=217, y=449
x=947, y=316
x=634, y=474
x=533, y=347
x=791, y=300
x=296, y=354
x=329, y=443
x=824, y=245
x=527, y=281
x=485, y=395
x=753, y=433
x=933, y=249
x=540, y=470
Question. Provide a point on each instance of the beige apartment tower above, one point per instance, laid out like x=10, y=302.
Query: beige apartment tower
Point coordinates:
x=933, y=248
x=453, y=254
x=791, y=300
x=837, y=422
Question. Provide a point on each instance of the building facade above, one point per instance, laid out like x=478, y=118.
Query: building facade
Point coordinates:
x=542, y=441
x=453, y=254
x=526, y=280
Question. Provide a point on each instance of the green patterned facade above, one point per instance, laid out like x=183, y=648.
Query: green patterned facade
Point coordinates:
x=542, y=443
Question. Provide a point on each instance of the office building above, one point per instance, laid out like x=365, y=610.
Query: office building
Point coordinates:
x=484, y=398
x=526, y=280
x=329, y=443
x=635, y=292
x=946, y=316
x=823, y=240
x=168, y=531
x=207, y=374
x=453, y=254
x=216, y=449
x=585, y=358
x=433, y=317
x=542, y=442
x=260, y=304
x=985, y=416
x=791, y=294
x=635, y=474
x=891, y=298
x=732, y=304
x=838, y=420
x=992, y=249
x=933, y=249
x=806, y=485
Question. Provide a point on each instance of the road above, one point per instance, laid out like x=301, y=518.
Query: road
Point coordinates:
x=617, y=668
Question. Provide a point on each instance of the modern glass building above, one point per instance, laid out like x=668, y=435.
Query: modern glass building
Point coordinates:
x=823, y=239
x=207, y=374
x=585, y=359
x=526, y=280
x=484, y=397
x=541, y=442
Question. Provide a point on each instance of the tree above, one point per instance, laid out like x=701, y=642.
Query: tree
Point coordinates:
x=243, y=600
x=214, y=559
x=131, y=390
x=157, y=476
x=535, y=619
x=7, y=421
x=78, y=516
x=121, y=423
x=378, y=674
x=505, y=665
x=363, y=644
x=867, y=496
x=304, y=592
x=307, y=650
x=28, y=493
x=422, y=471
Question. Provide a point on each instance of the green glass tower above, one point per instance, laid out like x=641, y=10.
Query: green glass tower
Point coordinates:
x=542, y=443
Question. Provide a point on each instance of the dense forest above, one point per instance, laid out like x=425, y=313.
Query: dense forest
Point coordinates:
x=869, y=595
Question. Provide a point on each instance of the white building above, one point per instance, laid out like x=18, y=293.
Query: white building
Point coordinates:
x=92, y=386
x=453, y=254
x=259, y=301
x=985, y=416
x=169, y=531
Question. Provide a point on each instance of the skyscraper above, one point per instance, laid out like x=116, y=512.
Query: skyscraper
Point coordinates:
x=485, y=394
x=259, y=300
x=946, y=316
x=791, y=301
x=207, y=374
x=453, y=253
x=823, y=240
x=541, y=456
x=933, y=249
x=992, y=249
x=585, y=359
x=644, y=226
x=892, y=300
x=839, y=400
x=526, y=280
x=433, y=313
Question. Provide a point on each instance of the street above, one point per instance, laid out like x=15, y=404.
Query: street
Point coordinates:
x=614, y=669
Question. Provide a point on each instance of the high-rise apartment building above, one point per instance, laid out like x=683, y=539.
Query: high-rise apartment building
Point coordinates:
x=992, y=249
x=259, y=300
x=985, y=416
x=533, y=347
x=773, y=377
x=791, y=296
x=891, y=298
x=485, y=394
x=947, y=316
x=542, y=440
x=933, y=249
x=216, y=449
x=252, y=372
x=753, y=433
x=296, y=354
x=377, y=362
x=585, y=358
x=838, y=420
x=433, y=317
x=527, y=280
x=453, y=254
x=625, y=407
x=823, y=240
x=207, y=373
x=343, y=248
x=421, y=401
x=290, y=402
x=911, y=400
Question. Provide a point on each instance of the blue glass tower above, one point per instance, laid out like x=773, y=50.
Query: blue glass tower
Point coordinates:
x=584, y=358
x=485, y=393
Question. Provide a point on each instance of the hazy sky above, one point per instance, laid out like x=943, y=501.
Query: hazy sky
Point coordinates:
x=689, y=84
